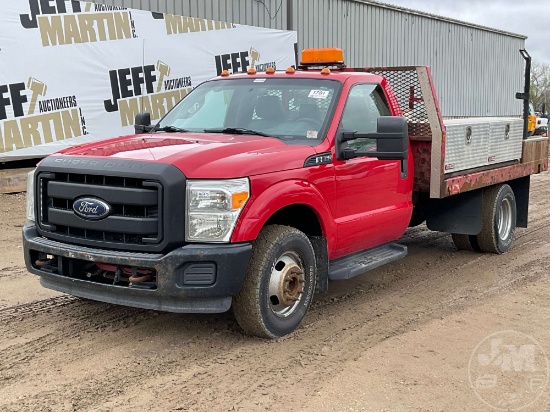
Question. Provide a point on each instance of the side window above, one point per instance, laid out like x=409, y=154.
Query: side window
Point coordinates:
x=365, y=104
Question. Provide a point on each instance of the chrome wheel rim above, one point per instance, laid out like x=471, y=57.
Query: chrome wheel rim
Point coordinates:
x=504, y=219
x=286, y=284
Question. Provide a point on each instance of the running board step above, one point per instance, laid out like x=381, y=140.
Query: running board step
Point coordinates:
x=362, y=262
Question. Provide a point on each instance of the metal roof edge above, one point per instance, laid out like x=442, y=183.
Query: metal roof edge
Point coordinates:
x=438, y=17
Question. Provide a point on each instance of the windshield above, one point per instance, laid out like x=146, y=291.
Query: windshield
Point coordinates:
x=293, y=110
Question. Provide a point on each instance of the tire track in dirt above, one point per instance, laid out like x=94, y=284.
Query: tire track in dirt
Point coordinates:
x=12, y=272
x=31, y=338
x=95, y=317
x=18, y=313
x=111, y=381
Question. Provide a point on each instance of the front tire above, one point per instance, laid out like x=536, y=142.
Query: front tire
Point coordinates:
x=498, y=220
x=279, y=284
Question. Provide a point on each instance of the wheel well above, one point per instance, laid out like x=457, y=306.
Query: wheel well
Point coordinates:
x=300, y=217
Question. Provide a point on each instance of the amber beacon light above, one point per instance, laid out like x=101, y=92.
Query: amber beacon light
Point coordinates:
x=326, y=56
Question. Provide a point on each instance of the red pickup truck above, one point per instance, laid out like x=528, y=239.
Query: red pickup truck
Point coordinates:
x=259, y=188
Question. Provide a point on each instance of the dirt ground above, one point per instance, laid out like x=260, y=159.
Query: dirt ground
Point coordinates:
x=400, y=338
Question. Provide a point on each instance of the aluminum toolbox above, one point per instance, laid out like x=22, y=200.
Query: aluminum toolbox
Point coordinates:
x=506, y=140
x=479, y=142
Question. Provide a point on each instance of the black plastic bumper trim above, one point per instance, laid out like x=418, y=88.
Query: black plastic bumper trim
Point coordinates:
x=112, y=295
x=172, y=294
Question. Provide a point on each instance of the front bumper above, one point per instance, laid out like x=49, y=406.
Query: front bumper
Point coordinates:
x=176, y=290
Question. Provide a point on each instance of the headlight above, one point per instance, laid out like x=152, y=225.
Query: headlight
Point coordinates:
x=213, y=207
x=30, y=196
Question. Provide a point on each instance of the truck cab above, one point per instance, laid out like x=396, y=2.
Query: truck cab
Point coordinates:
x=288, y=127
x=259, y=188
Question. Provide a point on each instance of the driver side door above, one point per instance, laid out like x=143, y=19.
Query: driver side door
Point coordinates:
x=373, y=199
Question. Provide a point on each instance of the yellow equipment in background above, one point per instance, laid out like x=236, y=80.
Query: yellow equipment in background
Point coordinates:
x=532, y=120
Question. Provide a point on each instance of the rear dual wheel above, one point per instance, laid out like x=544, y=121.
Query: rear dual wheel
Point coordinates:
x=498, y=220
x=498, y=223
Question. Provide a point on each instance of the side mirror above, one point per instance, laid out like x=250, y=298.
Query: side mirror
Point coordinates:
x=142, y=123
x=392, y=140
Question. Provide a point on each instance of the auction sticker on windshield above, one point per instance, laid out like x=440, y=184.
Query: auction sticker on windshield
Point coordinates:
x=318, y=94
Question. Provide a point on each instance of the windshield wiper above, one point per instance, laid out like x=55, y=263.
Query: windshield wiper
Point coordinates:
x=169, y=129
x=237, y=130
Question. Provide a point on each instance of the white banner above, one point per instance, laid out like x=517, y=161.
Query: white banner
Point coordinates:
x=73, y=72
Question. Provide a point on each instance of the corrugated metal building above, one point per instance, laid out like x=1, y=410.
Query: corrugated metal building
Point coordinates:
x=477, y=70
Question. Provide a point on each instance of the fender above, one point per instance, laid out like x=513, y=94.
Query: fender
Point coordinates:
x=286, y=193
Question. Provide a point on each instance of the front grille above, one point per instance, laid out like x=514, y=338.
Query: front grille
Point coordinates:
x=136, y=205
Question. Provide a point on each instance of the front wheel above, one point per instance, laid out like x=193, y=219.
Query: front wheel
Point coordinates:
x=498, y=220
x=279, y=283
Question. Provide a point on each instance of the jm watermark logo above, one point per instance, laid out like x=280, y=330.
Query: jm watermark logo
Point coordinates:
x=509, y=370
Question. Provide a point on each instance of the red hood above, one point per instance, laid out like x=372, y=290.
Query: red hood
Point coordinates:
x=203, y=155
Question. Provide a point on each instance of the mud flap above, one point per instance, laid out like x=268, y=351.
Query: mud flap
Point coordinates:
x=459, y=214
x=521, y=188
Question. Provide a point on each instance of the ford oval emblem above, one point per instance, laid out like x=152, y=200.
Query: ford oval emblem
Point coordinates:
x=91, y=208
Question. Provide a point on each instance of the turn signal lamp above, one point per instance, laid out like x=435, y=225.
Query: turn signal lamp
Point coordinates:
x=239, y=199
x=326, y=56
